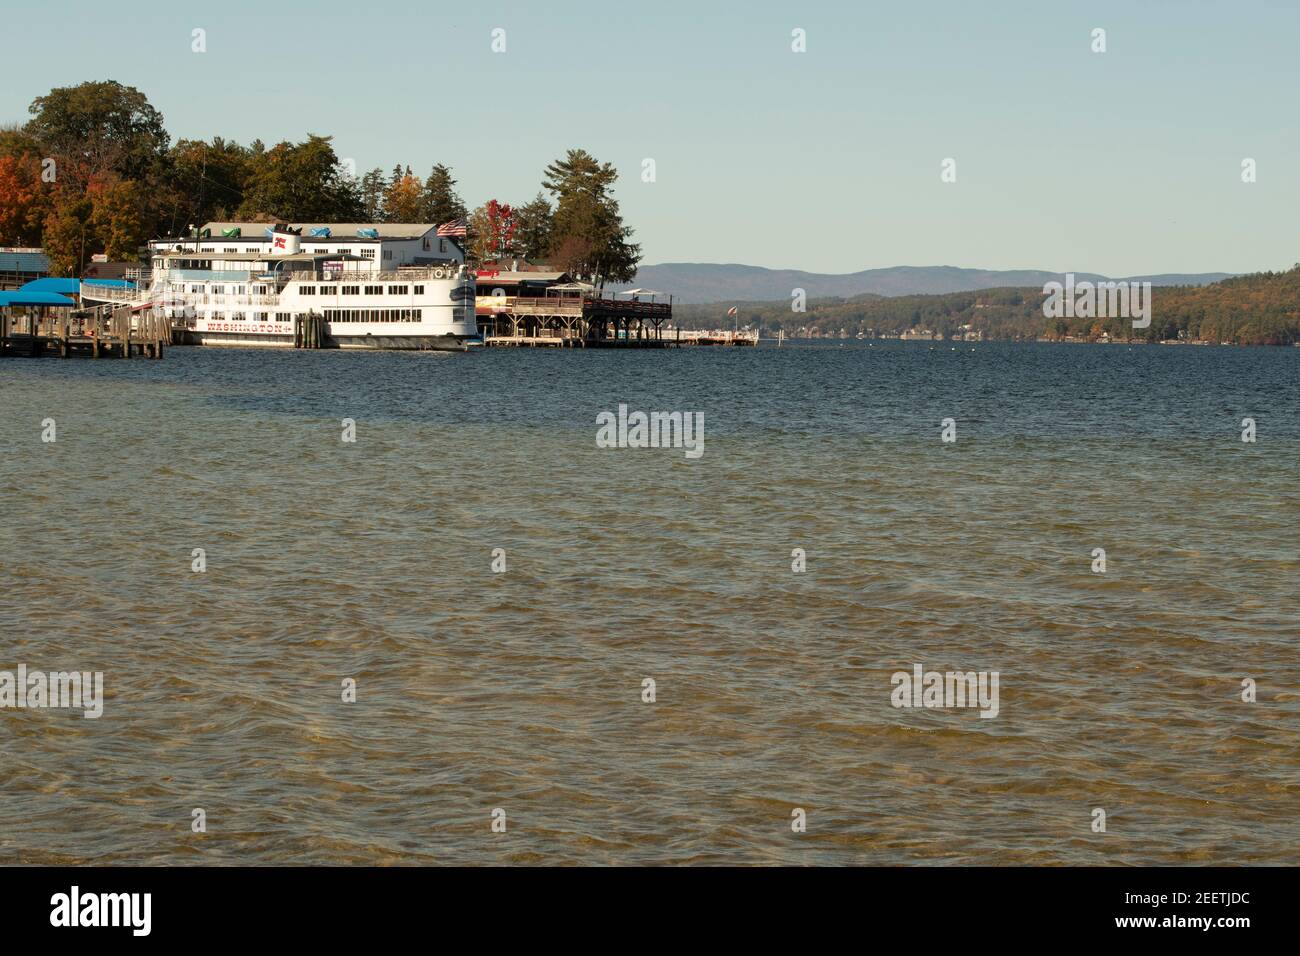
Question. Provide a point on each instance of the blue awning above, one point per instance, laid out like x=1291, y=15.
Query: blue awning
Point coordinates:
x=52, y=284
x=71, y=286
x=24, y=297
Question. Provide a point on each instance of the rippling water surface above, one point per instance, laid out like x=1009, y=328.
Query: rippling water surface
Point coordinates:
x=475, y=690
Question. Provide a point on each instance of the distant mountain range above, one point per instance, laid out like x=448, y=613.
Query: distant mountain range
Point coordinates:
x=714, y=282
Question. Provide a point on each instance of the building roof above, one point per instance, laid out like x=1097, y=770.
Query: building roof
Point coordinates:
x=14, y=260
x=108, y=270
x=256, y=256
x=505, y=277
x=339, y=231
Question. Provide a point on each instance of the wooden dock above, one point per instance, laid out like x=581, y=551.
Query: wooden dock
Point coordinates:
x=592, y=321
x=99, y=333
x=577, y=321
x=662, y=339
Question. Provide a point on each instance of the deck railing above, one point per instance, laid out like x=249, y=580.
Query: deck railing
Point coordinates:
x=105, y=293
x=166, y=298
x=548, y=305
x=586, y=304
x=413, y=274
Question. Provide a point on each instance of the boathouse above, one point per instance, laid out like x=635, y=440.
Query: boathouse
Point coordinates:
x=19, y=266
x=536, y=308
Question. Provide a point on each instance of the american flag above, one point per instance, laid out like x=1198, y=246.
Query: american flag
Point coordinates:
x=457, y=227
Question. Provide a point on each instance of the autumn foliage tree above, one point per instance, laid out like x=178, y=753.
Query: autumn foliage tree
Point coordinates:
x=404, y=198
x=70, y=238
x=24, y=200
x=501, y=228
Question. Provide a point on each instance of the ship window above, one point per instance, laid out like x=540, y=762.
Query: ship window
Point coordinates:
x=327, y=290
x=398, y=289
x=367, y=253
x=350, y=289
x=218, y=290
x=419, y=290
x=308, y=290
x=374, y=290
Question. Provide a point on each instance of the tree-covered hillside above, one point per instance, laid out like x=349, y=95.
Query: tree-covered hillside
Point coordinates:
x=1260, y=309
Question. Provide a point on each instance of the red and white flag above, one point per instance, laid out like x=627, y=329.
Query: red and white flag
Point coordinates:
x=457, y=227
x=732, y=311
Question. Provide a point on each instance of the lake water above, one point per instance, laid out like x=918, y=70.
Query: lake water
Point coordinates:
x=372, y=560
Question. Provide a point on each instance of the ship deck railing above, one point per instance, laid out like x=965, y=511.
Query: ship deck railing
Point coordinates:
x=403, y=274
x=101, y=293
x=165, y=298
x=412, y=273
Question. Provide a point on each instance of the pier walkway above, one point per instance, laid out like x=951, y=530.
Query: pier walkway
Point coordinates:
x=102, y=332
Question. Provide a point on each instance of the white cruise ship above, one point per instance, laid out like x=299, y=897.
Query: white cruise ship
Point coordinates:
x=373, y=285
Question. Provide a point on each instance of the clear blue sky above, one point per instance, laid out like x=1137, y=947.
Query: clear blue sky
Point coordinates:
x=1125, y=162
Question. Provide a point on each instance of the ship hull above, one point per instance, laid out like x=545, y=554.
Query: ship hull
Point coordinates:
x=444, y=343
